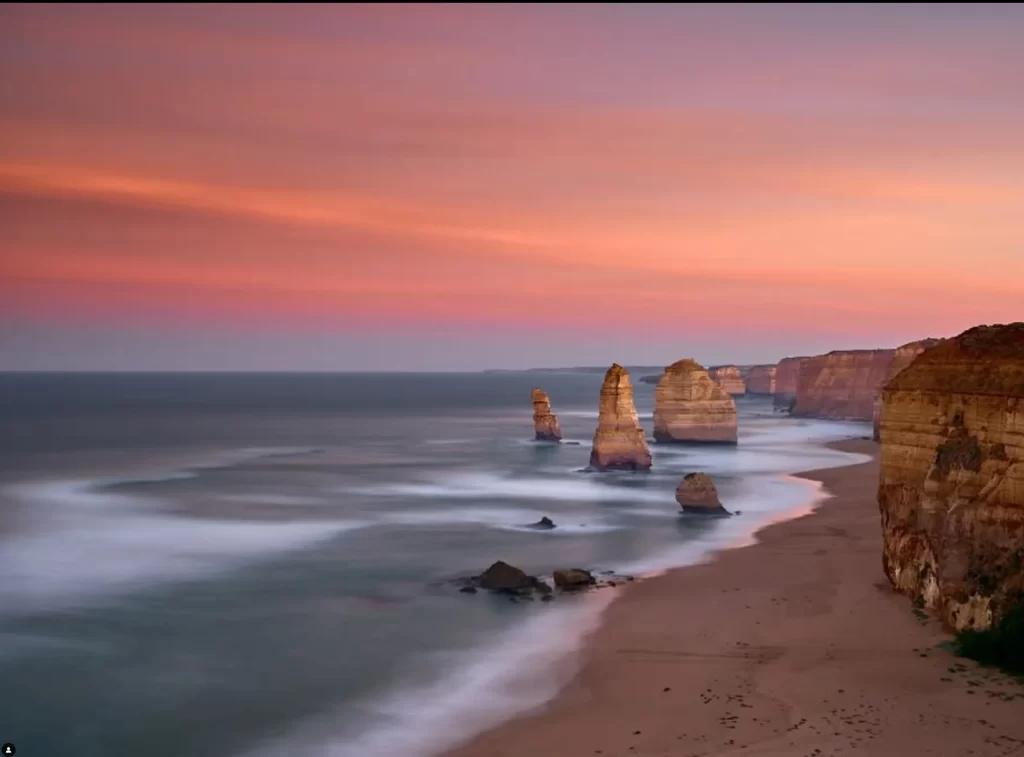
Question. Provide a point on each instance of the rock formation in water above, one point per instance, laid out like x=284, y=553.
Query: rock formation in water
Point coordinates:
x=904, y=356
x=787, y=377
x=728, y=377
x=951, y=491
x=545, y=423
x=573, y=578
x=690, y=407
x=697, y=494
x=842, y=384
x=619, y=442
x=761, y=379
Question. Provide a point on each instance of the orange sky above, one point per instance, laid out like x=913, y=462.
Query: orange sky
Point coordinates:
x=504, y=185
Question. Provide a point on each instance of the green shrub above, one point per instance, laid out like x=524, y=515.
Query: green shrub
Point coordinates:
x=1002, y=645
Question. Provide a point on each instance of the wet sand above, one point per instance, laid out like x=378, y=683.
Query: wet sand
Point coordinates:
x=793, y=646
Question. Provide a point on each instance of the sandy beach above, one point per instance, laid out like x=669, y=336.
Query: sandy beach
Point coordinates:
x=793, y=646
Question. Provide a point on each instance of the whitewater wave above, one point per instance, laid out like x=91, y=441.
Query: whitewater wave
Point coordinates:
x=521, y=668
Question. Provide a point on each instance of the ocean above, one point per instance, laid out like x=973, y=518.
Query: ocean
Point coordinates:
x=245, y=565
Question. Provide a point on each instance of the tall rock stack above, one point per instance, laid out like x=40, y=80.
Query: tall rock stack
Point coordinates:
x=728, y=377
x=904, y=356
x=545, y=423
x=761, y=379
x=842, y=384
x=951, y=490
x=690, y=407
x=787, y=377
x=619, y=442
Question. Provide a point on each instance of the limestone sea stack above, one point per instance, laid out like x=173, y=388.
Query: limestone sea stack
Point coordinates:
x=951, y=491
x=697, y=494
x=761, y=379
x=728, y=377
x=690, y=407
x=545, y=423
x=787, y=377
x=619, y=442
x=904, y=356
x=842, y=384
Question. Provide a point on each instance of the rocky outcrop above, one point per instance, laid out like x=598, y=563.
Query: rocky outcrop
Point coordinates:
x=728, y=377
x=697, y=494
x=544, y=524
x=545, y=423
x=761, y=379
x=690, y=407
x=904, y=356
x=787, y=378
x=619, y=442
x=573, y=579
x=842, y=384
x=951, y=490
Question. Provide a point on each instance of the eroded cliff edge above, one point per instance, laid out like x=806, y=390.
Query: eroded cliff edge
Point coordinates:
x=951, y=490
x=619, y=442
x=690, y=407
x=729, y=378
x=904, y=356
x=787, y=377
x=761, y=379
x=842, y=384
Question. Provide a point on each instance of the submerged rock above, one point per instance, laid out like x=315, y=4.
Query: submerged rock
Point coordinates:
x=619, y=442
x=573, y=578
x=545, y=423
x=697, y=494
x=502, y=576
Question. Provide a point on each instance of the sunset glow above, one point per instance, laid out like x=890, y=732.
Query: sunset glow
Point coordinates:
x=503, y=186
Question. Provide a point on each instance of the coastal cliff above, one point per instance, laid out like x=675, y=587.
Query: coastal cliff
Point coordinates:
x=951, y=489
x=690, y=407
x=904, y=356
x=619, y=442
x=545, y=423
x=842, y=384
x=787, y=377
x=761, y=379
x=728, y=377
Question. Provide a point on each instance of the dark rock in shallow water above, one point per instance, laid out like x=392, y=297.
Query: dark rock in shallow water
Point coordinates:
x=543, y=524
x=501, y=575
x=573, y=578
x=696, y=494
x=468, y=590
x=571, y=444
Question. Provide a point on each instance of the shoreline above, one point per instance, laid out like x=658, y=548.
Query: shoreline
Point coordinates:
x=783, y=646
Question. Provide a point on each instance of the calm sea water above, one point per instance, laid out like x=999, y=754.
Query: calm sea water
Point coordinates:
x=253, y=565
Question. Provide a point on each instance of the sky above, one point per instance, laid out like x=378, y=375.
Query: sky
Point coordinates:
x=460, y=187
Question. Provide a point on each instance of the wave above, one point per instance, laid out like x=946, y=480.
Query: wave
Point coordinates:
x=504, y=518
x=493, y=486
x=507, y=675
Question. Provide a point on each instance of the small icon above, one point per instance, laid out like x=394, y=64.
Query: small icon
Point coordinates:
x=7, y=749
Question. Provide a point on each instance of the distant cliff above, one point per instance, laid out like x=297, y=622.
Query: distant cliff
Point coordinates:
x=761, y=379
x=842, y=384
x=728, y=377
x=787, y=377
x=951, y=489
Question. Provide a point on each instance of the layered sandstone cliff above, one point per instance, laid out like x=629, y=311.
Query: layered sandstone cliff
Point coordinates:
x=787, y=377
x=842, y=384
x=619, y=442
x=761, y=379
x=728, y=377
x=904, y=356
x=951, y=490
x=545, y=423
x=690, y=407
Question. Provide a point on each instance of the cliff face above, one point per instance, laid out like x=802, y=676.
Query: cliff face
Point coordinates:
x=842, y=384
x=545, y=423
x=728, y=377
x=951, y=492
x=904, y=356
x=761, y=379
x=690, y=407
x=619, y=442
x=787, y=377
